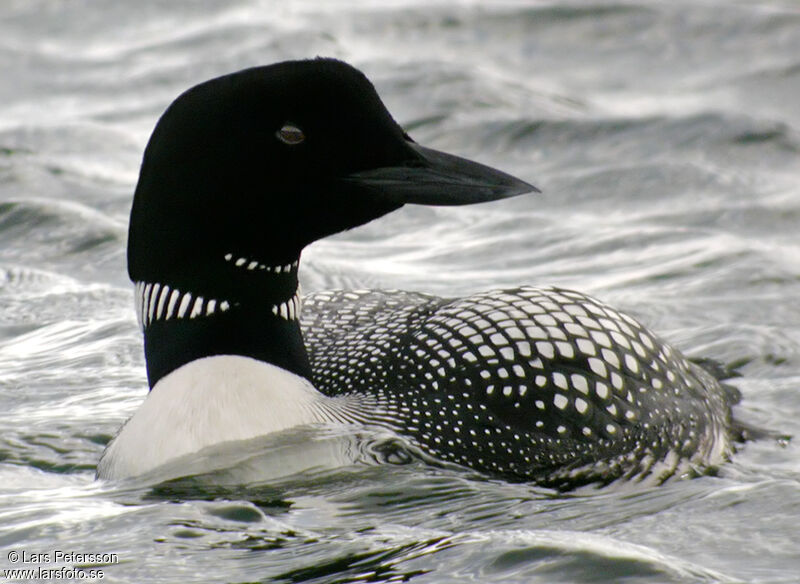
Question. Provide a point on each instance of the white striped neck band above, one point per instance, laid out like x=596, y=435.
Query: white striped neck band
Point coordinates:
x=156, y=302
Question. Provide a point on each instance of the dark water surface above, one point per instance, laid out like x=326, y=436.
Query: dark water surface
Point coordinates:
x=666, y=138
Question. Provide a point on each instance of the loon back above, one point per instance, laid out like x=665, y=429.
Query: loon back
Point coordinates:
x=539, y=384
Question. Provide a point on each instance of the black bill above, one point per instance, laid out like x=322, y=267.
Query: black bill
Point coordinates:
x=437, y=178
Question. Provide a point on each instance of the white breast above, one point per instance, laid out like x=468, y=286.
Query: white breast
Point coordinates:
x=210, y=401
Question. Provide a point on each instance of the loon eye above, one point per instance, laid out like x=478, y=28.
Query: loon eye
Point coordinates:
x=290, y=134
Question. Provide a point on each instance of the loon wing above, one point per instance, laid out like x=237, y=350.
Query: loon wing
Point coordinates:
x=539, y=383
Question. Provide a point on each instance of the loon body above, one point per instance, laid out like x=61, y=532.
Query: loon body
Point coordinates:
x=240, y=174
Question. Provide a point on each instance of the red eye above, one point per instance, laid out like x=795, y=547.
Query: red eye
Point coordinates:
x=290, y=134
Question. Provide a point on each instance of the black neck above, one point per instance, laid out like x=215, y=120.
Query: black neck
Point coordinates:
x=250, y=331
x=242, y=308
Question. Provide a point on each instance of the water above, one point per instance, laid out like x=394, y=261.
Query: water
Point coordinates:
x=666, y=138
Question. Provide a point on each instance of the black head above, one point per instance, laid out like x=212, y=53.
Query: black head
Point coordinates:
x=264, y=161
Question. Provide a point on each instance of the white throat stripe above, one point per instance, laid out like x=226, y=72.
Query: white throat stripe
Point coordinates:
x=251, y=265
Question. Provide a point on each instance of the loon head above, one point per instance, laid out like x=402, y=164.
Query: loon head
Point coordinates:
x=243, y=171
x=264, y=161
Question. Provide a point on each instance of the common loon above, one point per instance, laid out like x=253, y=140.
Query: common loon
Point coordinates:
x=540, y=384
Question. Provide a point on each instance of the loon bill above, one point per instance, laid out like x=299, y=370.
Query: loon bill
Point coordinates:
x=245, y=170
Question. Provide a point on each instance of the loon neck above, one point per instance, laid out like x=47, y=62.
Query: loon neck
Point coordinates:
x=246, y=308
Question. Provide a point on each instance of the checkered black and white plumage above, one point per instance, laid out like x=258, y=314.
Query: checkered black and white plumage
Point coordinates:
x=537, y=383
